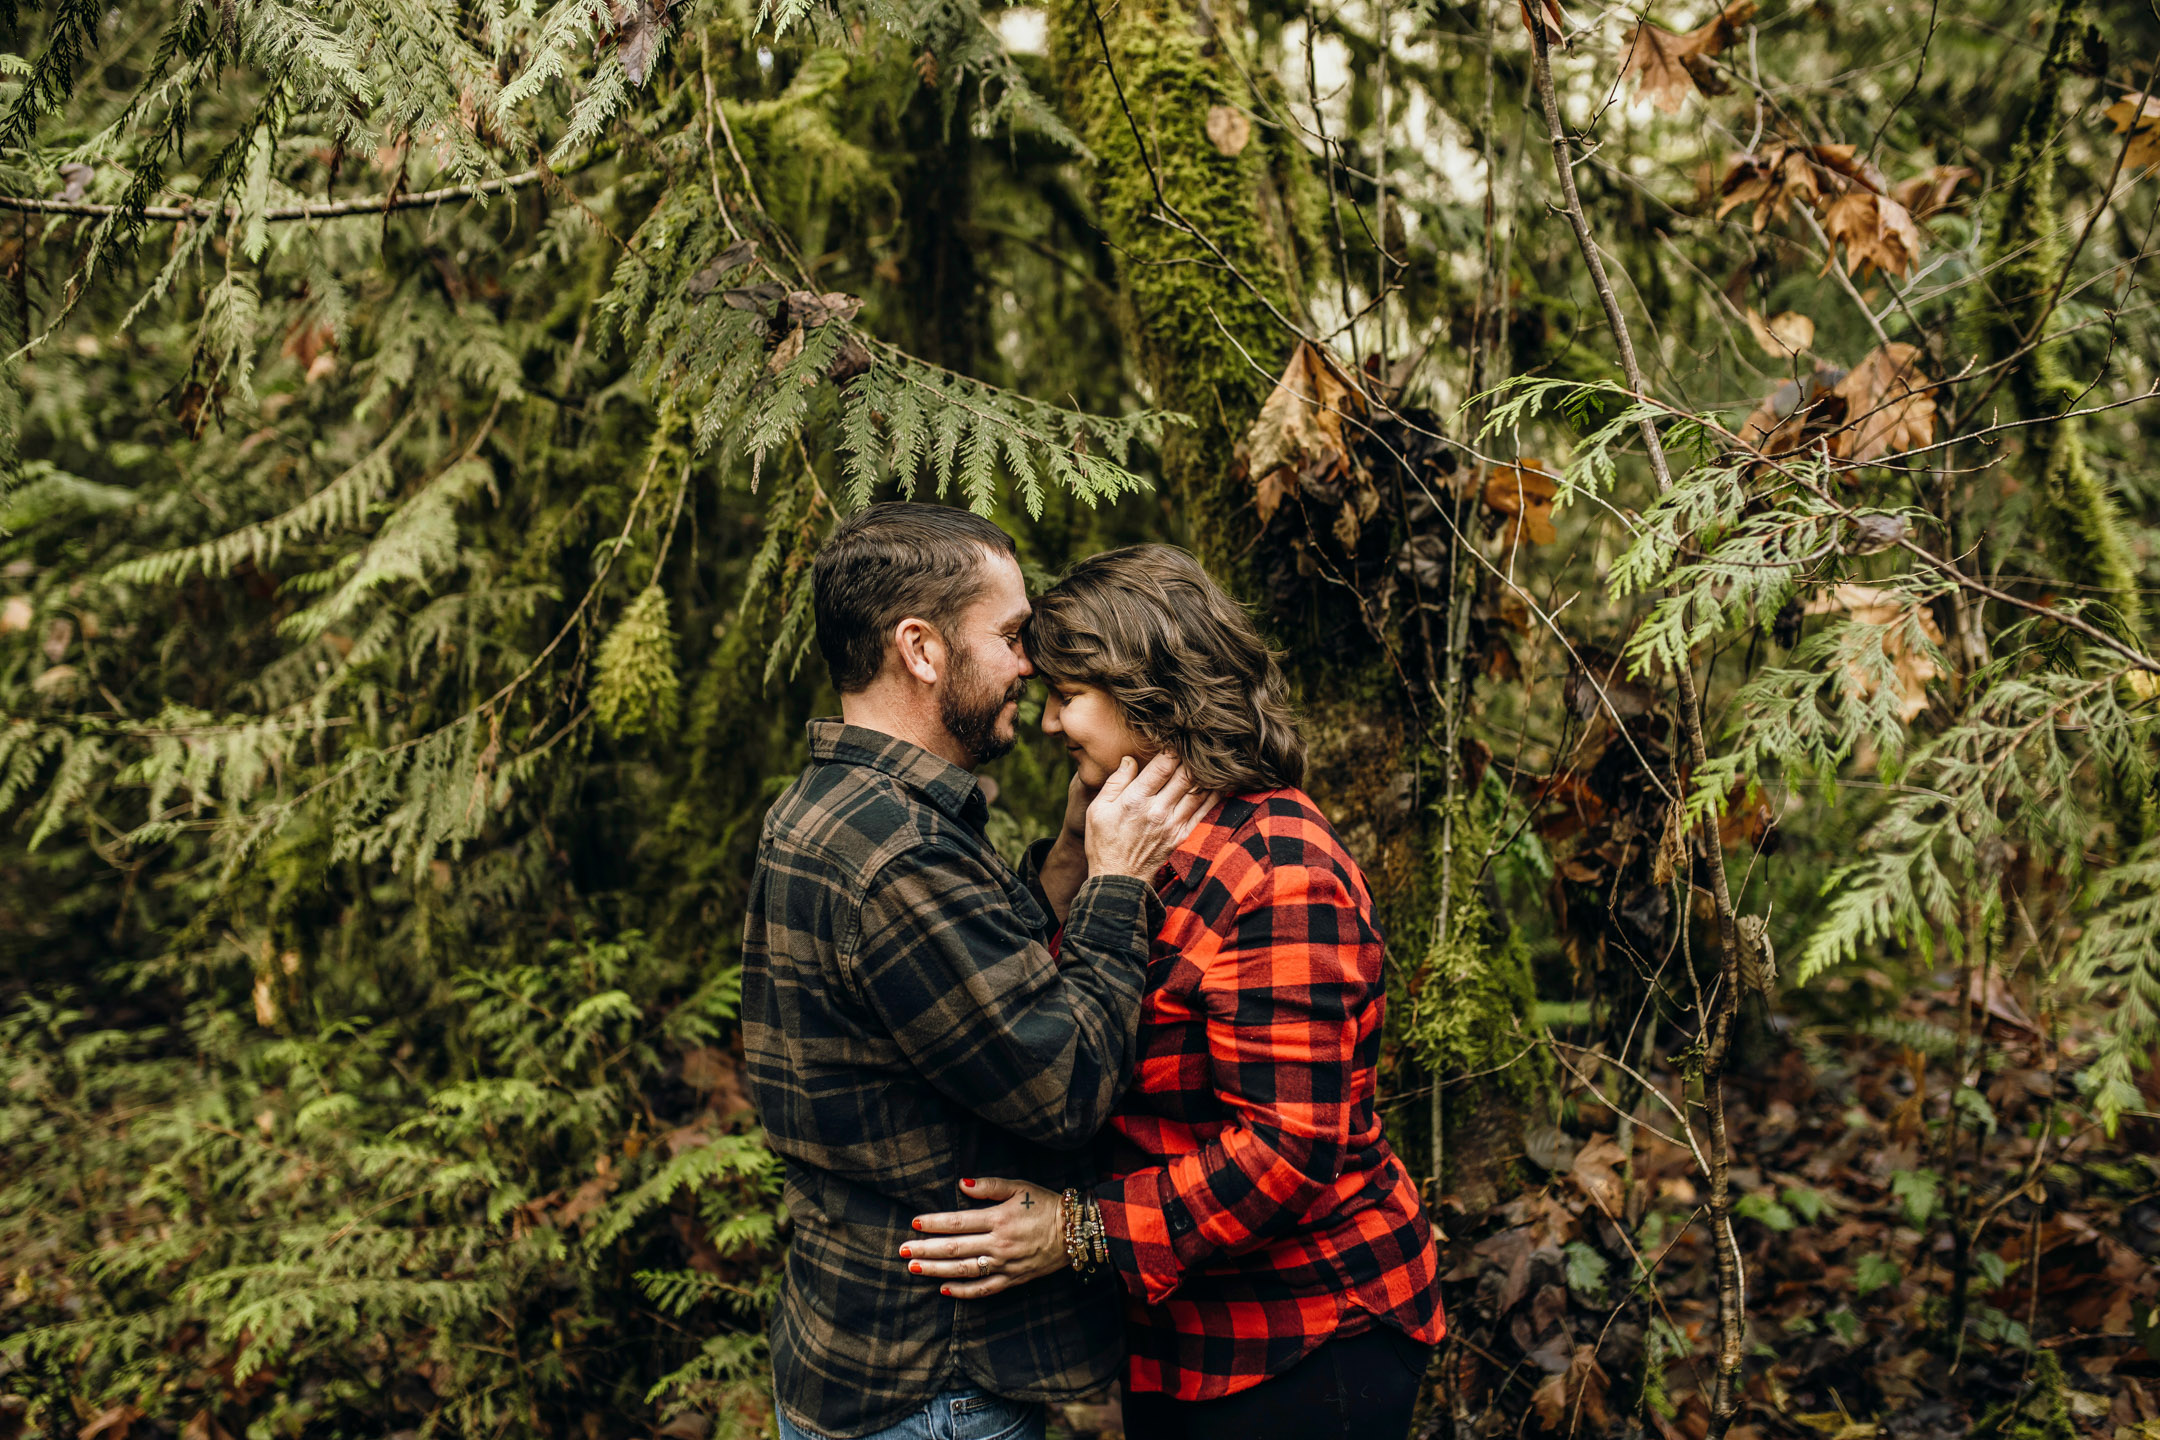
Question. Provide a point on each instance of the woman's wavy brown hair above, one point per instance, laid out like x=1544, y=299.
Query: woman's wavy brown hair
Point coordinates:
x=1181, y=659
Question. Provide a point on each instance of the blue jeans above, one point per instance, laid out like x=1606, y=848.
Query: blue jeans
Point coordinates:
x=968, y=1414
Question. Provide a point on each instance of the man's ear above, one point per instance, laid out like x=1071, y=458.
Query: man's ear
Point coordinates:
x=921, y=649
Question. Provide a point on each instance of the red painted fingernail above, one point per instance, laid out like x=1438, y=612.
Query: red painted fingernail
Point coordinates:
x=915, y=1269
x=944, y=1289
x=906, y=1254
x=916, y=1223
x=965, y=1181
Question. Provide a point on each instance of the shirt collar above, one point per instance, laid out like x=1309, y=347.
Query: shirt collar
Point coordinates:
x=950, y=788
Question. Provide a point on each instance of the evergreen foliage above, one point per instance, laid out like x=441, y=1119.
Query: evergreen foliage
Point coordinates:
x=418, y=421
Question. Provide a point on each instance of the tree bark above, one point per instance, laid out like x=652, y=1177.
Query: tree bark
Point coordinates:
x=1211, y=265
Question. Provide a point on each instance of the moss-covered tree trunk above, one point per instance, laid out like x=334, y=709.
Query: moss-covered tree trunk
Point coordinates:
x=1212, y=259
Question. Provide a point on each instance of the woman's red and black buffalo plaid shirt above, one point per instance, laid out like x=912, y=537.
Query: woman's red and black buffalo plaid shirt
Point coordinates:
x=1255, y=1210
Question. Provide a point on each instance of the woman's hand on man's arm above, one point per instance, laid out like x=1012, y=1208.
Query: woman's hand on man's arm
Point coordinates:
x=1021, y=1238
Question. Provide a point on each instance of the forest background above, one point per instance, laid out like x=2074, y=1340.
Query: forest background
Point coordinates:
x=1695, y=464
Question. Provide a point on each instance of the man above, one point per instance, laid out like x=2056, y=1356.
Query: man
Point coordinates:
x=905, y=1022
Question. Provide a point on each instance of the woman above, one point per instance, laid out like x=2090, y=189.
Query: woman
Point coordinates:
x=1279, y=1270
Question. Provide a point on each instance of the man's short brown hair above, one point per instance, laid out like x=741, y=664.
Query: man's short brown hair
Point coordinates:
x=1181, y=659
x=889, y=562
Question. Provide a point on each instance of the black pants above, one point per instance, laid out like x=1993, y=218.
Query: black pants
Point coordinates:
x=1362, y=1388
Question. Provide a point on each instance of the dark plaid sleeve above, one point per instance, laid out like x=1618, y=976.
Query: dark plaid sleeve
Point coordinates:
x=1282, y=996
x=982, y=1010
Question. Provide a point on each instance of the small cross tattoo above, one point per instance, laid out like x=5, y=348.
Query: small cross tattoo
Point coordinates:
x=1027, y=1201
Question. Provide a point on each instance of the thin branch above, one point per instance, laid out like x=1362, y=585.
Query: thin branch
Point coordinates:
x=328, y=210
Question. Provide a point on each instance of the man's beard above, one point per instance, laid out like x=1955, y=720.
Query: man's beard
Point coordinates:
x=969, y=710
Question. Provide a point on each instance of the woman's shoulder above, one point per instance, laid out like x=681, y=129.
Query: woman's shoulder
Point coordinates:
x=1282, y=828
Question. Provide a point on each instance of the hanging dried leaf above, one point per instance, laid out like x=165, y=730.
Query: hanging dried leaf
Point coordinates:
x=1796, y=413
x=1758, y=958
x=1878, y=530
x=1669, y=67
x=1229, y=129
x=1931, y=192
x=1299, y=431
x=1889, y=608
x=1658, y=64
x=1546, y=15
x=1876, y=231
x=638, y=24
x=784, y=354
x=733, y=258
x=1524, y=493
x=1783, y=335
x=2138, y=116
x=1889, y=405
x=1782, y=176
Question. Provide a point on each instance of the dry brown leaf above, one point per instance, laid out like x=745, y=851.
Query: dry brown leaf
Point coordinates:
x=1931, y=192
x=1783, y=335
x=1913, y=669
x=1795, y=413
x=1229, y=129
x=119, y=1420
x=638, y=24
x=784, y=354
x=1597, y=1171
x=1300, y=428
x=1575, y=1400
x=1524, y=493
x=1657, y=60
x=1546, y=13
x=1782, y=176
x=1721, y=31
x=1669, y=67
x=1876, y=231
x=1889, y=405
x=2138, y=116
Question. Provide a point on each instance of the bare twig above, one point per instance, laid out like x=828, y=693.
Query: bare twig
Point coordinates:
x=328, y=210
x=1717, y=1021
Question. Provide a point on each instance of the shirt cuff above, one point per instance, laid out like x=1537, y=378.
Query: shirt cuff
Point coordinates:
x=1117, y=913
x=1145, y=1226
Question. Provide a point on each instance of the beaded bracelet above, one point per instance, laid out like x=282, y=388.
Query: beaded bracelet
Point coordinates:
x=1074, y=1216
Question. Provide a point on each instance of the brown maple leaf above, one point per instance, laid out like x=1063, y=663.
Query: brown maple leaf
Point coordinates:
x=2138, y=116
x=1655, y=59
x=1889, y=405
x=1783, y=175
x=1783, y=335
x=1876, y=231
x=1931, y=191
x=1794, y=414
x=1524, y=493
x=1300, y=428
x=1911, y=666
x=1669, y=67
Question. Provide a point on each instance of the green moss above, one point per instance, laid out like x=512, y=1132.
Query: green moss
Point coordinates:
x=1207, y=343
x=2041, y=1413
x=2077, y=519
x=1475, y=992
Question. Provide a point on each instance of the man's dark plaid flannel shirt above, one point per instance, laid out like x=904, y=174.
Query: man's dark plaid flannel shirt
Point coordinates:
x=1256, y=1209
x=906, y=1024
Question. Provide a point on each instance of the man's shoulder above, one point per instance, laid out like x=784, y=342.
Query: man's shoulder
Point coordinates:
x=849, y=819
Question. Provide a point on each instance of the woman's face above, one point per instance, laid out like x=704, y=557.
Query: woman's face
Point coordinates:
x=1093, y=729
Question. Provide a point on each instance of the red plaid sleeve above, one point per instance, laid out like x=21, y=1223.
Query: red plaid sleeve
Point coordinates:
x=1281, y=989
